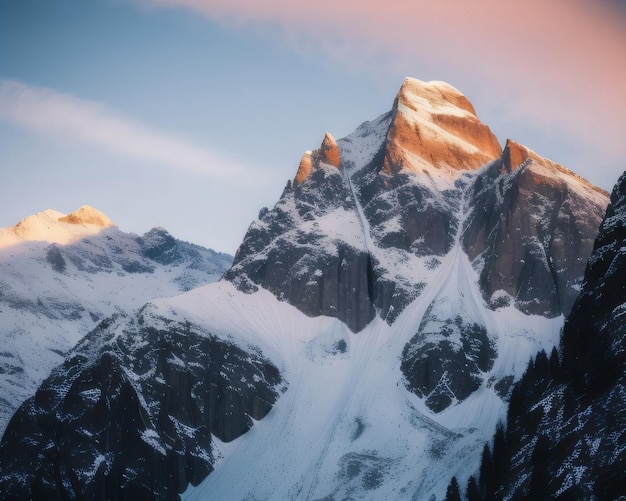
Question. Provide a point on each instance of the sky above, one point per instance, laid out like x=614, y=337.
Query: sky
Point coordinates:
x=193, y=114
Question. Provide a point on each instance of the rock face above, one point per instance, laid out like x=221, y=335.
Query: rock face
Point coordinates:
x=435, y=125
x=531, y=226
x=137, y=414
x=445, y=361
x=61, y=275
x=283, y=251
x=326, y=154
x=566, y=425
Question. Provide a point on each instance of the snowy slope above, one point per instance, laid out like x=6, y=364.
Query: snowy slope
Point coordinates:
x=61, y=274
x=347, y=425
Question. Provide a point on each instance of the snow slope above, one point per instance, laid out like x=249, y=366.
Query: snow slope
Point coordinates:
x=347, y=425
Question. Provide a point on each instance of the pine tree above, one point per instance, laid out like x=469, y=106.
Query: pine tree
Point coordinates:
x=540, y=477
x=555, y=365
x=473, y=493
x=486, y=473
x=453, y=493
x=500, y=457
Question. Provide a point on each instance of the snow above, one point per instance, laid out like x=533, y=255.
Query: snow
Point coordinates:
x=45, y=226
x=331, y=395
x=346, y=426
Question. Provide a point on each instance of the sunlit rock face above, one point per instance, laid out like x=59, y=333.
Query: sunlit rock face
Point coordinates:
x=434, y=125
x=326, y=154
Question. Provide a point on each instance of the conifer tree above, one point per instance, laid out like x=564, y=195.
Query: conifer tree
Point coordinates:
x=453, y=493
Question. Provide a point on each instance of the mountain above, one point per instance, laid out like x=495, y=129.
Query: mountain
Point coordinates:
x=60, y=275
x=375, y=318
x=566, y=427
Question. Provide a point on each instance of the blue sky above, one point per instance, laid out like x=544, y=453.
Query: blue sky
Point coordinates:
x=193, y=114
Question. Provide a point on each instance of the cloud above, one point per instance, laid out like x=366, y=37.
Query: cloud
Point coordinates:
x=557, y=64
x=49, y=112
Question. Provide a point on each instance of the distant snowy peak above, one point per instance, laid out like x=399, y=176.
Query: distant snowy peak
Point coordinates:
x=87, y=215
x=55, y=227
x=434, y=125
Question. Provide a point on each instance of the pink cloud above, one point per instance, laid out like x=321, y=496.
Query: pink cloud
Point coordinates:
x=558, y=63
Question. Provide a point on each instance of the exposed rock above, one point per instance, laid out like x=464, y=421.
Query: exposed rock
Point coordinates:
x=434, y=124
x=329, y=152
x=133, y=414
x=566, y=431
x=444, y=362
x=326, y=154
x=530, y=229
x=304, y=169
x=283, y=252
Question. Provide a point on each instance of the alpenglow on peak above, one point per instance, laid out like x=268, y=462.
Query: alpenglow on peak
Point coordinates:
x=435, y=124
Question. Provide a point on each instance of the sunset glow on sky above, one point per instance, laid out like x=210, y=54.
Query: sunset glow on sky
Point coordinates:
x=193, y=114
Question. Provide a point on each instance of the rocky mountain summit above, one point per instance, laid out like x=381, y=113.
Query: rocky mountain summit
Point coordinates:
x=429, y=173
x=60, y=275
x=376, y=318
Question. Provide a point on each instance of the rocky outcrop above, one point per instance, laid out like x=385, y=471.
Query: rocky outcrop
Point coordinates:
x=133, y=414
x=326, y=154
x=445, y=361
x=298, y=253
x=530, y=230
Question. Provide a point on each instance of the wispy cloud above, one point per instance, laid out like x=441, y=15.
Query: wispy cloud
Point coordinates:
x=70, y=118
x=558, y=64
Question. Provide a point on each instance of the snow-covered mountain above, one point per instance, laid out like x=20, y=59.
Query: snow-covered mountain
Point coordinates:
x=62, y=274
x=375, y=318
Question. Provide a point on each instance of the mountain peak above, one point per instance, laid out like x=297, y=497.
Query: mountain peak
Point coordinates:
x=54, y=226
x=327, y=154
x=87, y=215
x=415, y=94
x=434, y=124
